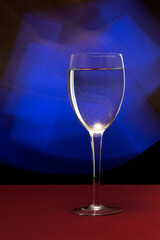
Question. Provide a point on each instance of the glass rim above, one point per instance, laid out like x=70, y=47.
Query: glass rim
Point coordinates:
x=97, y=54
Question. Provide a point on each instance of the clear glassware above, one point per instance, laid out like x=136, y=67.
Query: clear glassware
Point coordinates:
x=96, y=86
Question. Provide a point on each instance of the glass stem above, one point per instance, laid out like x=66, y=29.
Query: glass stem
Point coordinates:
x=96, y=144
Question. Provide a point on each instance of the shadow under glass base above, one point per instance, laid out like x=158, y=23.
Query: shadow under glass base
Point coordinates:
x=96, y=210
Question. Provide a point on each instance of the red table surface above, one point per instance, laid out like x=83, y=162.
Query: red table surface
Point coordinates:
x=44, y=212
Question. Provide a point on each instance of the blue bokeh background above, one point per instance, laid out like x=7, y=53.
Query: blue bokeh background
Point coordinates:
x=39, y=130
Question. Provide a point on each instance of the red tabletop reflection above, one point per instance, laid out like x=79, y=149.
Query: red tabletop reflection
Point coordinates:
x=44, y=212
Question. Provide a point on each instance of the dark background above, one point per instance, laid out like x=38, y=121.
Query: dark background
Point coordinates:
x=137, y=171
x=23, y=156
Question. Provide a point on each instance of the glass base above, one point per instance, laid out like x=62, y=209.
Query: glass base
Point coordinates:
x=96, y=210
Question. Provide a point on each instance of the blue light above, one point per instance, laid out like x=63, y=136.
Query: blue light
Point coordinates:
x=43, y=127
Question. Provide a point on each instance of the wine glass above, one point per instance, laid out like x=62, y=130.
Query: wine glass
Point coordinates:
x=96, y=88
